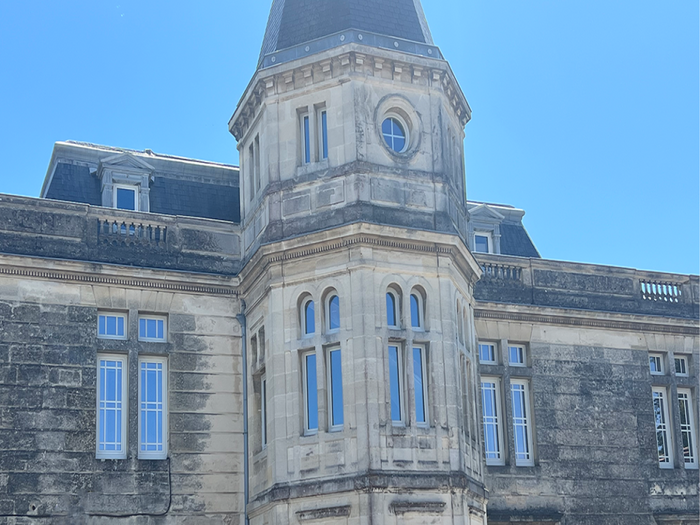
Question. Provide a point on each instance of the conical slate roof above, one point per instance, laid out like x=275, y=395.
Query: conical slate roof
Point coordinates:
x=293, y=23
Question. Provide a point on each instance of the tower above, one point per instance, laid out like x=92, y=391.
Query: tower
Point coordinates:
x=358, y=282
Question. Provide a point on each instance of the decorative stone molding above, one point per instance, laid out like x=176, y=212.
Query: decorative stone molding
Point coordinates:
x=321, y=514
x=433, y=508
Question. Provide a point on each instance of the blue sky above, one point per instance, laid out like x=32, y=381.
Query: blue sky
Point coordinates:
x=585, y=112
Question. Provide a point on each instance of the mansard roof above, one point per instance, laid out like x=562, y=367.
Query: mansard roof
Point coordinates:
x=293, y=23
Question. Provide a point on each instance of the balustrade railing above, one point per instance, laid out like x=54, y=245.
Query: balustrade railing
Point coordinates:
x=660, y=291
x=502, y=271
x=113, y=230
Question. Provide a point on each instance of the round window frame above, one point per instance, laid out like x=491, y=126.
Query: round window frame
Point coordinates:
x=400, y=108
x=404, y=127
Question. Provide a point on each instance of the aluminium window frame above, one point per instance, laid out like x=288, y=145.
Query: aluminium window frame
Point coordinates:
x=498, y=423
x=322, y=132
x=494, y=347
x=489, y=238
x=685, y=396
x=160, y=454
x=304, y=317
x=421, y=310
x=108, y=454
x=263, y=411
x=396, y=298
x=401, y=389
x=661, y=361
x=524, y=390
x=425, y=391
x=305, y=393
x=686, y=365
x=136, y=188
x=330, y=391
x=149, y=317
x=667, y=430
x=522, y=352
x=327, y=307
x=118, y=315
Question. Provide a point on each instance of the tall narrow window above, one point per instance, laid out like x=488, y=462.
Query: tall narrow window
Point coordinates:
x=690, y=451
x=416, y=311
x=306, y=133
x=396, y=384
x=257, y=163
x=323, y=126
x=335, y=390
x=310, y=382
x=464, y=374
x=333, y=313
x=263, y=411
x=251, y=170
x=420, y=385
x=111, y=407
x=493, y=431
x=522, y=423
x=152, y=408
x=663, y=428
x=392, y=318
x=308, y=317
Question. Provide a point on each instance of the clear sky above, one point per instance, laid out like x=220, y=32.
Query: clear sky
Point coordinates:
x=585, y=112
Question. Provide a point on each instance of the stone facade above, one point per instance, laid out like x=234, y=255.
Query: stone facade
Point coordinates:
x=333, y=348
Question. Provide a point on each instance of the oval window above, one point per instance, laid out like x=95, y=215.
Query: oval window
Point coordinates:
x=394, y=134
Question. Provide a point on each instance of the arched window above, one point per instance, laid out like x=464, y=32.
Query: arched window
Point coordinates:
x=417, y=313
x=333, y=313
x=392, y=313
x=308, y=321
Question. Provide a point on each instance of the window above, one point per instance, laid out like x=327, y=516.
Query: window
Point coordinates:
x=483, y=242
x=111, y=326
x=516, y=355
x=310, y=387
x=396, y=384
x=323, y=139
x=153, y=415
x=663, y=428
x=251, y=170
x=522, y=423
x=487, y=354
x=308, y=320
x=681, y=364
x=392, y=317
x=126, y=197
x=333, y=313
x=152, y=329
x=306, y=138
x=263, y=411
x=111, y=407
x=417, y=314
x=656, y=364
x=493, y=432
x=420, y=384
x=394, y=132
x=256, y=163
x=335, y=390
x=685, y=404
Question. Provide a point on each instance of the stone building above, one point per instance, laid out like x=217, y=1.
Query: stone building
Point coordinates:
x=331, y=333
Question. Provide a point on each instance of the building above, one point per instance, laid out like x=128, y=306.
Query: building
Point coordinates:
x=331, y=333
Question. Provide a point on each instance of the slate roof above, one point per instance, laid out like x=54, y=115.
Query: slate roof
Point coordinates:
x=294, y=22
x=516, y=241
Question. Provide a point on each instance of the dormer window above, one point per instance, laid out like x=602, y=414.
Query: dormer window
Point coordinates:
x=483, y=242
x=126, y=197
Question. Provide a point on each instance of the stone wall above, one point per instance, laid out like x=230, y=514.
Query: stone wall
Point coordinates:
x=48, y=357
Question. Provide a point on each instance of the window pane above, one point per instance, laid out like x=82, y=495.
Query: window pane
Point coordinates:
x=395, y=383
x=324, y=131
x=517, y=355
x=126, y=199
x=521, y=424
x=487, y=353
x=418, y=381
x=662, y=436
x=491, y=420
x=120, y=326
x=102, y=325
x=390, y=310
x=687, y=428
x=309, y=320
x=415, y=312
x=111, y=325
x=311, y=393
x=307, y=141
x=263, y=409
x=334, y=313
x=336, y=388
x=151, y=407
x=110, y=406
x=481, y=244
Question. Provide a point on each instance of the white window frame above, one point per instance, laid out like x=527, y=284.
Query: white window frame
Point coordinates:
x=133, y=187
x=523, y=386
x=685, y=398
x=494, y=347
x=489, y=237
x=327, y=305
x=421, y=311
x=329, y=390
x=305, y=393
x=322, y=133
x=401, y=388
x=406, y=131
x=397, y=310
x=662, y=364
x=425, y=390
x=522, y=353
x=683, y=359
x=304, y=323
x=158, y=454
x=113, y=454
x=118, y=315
x=154, y=318
x=498, y=421
x=667, y=428
x=306, y=137
x=263, y=411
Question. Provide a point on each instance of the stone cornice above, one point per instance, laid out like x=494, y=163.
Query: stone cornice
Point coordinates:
x=498, y=312
x=166, y=284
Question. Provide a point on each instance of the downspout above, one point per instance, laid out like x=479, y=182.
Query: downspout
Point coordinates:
x=244, y=337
